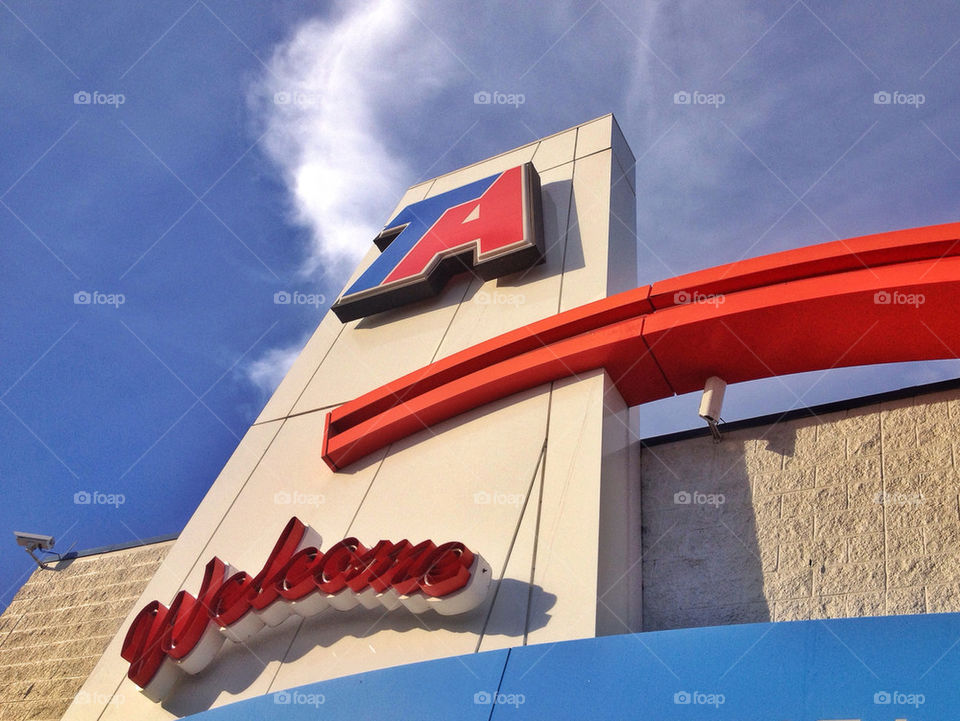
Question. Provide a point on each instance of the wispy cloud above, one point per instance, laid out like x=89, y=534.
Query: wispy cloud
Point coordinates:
x=326, y=105
x=268, y=370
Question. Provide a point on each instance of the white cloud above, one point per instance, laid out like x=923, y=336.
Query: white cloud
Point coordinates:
x=326, y=105
x=268, y=370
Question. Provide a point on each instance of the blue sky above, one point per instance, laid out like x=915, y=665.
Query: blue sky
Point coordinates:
x=258, y=147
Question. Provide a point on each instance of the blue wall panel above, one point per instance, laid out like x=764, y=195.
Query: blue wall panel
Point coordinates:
x=442, y=689
x=884, y=669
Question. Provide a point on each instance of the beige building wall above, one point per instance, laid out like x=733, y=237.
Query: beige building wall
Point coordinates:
x=844, y=513
x=525, y=481
x=853, y=512
x=54, y=631
x=850, y=512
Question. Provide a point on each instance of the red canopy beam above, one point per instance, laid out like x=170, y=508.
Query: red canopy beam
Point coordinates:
x=874, y=299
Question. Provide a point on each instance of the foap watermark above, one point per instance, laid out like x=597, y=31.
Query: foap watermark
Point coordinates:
x=82, y=97
x=485, y=97
x=296, y=498
x=485, y=498
x=295, y=297
x=99, y=699
x=899, y=698
x=691, y=297
x=699, y=698
x=485, y=698
x=895, y=297
x=98, y=498
x=495, y=298
x=886, y=498
x=295, y=97
x=696, y=498
x=297, y=698
x=695, y=97
x=95, y=297
x=895, y=97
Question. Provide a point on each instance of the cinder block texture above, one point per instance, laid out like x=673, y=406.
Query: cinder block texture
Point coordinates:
x=53, y=632
x=854, y=513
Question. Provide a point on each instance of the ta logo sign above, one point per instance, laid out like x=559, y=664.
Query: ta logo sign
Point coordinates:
x=491, y=226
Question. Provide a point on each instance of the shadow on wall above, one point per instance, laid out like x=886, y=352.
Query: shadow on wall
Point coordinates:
x=703, y=564
x=562, y=244
x=237, y=667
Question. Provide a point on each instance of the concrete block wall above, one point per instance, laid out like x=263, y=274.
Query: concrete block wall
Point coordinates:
x=54, y=631
x=847, y=513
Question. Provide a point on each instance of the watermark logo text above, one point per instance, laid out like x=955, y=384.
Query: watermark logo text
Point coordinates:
x=485, y=97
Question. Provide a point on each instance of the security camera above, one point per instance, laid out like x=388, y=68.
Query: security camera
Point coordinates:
x=711, y=403
x=712, y=400
x=33, y=541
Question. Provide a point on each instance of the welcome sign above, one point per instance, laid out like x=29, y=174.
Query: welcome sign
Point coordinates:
x=297, y=579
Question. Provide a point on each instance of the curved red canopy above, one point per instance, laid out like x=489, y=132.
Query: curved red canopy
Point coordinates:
x=874, y=299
